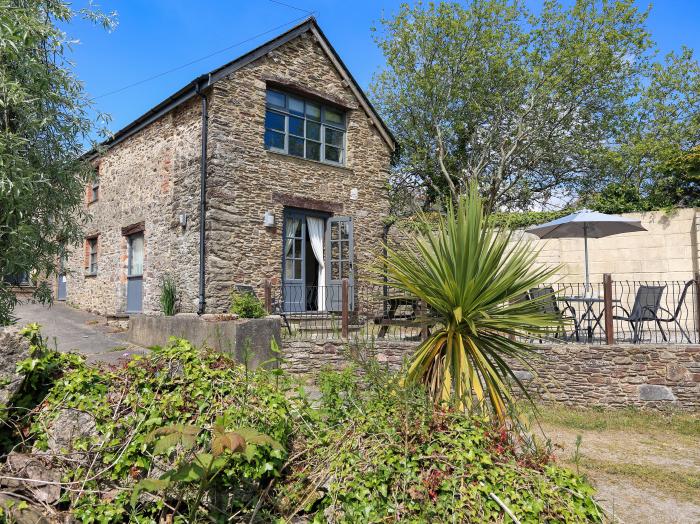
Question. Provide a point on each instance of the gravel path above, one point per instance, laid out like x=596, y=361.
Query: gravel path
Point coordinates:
x=645, y=477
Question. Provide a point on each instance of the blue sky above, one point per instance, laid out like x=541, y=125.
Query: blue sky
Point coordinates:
x=155, y=36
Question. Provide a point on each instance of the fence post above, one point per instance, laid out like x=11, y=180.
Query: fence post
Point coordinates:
x=421, y=316
x=346, y=306
x=607, y=309
x=697, y=303
x=268, y=296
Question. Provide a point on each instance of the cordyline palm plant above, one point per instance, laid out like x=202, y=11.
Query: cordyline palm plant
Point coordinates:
x=473, y=278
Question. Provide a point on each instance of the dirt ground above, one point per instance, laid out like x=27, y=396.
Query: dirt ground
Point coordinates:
x=645, y=475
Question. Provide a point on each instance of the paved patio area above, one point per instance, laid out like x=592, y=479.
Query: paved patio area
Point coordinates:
x=70, y=329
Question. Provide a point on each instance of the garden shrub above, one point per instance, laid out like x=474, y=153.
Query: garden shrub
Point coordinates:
x=246, y=305
x=382, y=453
x=176, y=390
x=187, y=435
x=40, y=371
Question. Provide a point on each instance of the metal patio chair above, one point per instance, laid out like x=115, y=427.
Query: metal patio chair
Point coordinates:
x=647, y=303
x=548, y=303
x=674, y=317
x=276, y=306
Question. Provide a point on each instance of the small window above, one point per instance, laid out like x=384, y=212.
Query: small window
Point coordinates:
x=304, y=129
x=95, y=191
x=92, y=256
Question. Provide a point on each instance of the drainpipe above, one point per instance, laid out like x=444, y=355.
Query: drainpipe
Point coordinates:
x=385, y=287
x=202, y=200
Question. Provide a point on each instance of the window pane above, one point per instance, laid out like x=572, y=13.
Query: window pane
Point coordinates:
x=313, y=150
x=296, y=146
x=276, y=99
x=313, y=111
x=296, y=106
x=335, y=271
x=274, y=121
x=334, y=137
x=136, y=258
x=297, y=269
x=274, y=140
x=331, y=115
x=296, y=126
x=332, y=154
x=313, y=130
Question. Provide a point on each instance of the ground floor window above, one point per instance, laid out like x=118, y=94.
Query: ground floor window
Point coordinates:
x=92, y=255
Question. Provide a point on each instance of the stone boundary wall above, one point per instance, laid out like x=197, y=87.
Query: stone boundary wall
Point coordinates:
x=644, y=376
x=234, y=337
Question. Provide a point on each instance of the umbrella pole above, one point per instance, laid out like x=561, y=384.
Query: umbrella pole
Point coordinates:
x=585, y=251
x=588, y=280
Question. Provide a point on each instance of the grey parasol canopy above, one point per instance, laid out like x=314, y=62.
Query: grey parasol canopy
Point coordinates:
x=586, y=224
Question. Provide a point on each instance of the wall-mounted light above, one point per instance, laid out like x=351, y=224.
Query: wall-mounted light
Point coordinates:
x=269, y=219
x=183, y=219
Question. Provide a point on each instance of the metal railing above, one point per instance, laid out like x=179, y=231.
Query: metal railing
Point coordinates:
x=629, y=311
x=355, y=311
x=607, y=312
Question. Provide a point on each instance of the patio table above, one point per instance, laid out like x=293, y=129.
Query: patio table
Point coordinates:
x=588, y=314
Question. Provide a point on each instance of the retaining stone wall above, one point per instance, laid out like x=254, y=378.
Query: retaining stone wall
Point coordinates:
x=646, y=376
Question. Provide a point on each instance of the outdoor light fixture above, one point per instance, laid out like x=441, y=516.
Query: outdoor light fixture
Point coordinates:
x=269, y=219
x=183, y=219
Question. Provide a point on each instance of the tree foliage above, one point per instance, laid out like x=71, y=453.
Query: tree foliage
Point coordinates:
x=44, y=121
x=536, y=106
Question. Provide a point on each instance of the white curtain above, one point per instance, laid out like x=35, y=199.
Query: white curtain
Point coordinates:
x=315, y=228
x=291, y=231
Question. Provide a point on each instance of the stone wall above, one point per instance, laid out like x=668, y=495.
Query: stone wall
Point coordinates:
x=645, y=376
x=153, y=177
x=150, y=177
x=308, y=357
x=668, y=250
x=243, y=339
x=247, y=180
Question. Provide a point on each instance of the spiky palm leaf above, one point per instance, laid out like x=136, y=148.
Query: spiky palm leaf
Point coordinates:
x=473, y=279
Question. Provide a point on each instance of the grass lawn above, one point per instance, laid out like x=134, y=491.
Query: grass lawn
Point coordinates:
x=645, y=464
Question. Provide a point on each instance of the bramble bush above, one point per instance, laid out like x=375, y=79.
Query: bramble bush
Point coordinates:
x=187, y=435
x=380, y=451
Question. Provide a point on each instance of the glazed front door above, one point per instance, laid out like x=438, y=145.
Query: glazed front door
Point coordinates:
x=294, y=263
x=339, y=257
x=134, y=282
x=62, y=293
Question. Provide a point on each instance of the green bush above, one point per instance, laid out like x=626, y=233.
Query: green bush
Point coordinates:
x=40, y=371
x=379, y=452
x=246, y=305
x=186, y=435
x=168, y=296
x=189, y=397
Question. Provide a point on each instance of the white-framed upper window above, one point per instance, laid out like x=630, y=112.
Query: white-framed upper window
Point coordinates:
x=304, y=128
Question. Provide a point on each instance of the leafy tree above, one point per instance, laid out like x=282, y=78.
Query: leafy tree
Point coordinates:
x=656, y=163
x=44, y=121
x=524, y=103
x=473, y=279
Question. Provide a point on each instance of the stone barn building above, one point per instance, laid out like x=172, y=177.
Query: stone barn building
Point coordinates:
x=282, y=155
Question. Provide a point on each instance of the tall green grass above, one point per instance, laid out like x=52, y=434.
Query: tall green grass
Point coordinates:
x=168, y=296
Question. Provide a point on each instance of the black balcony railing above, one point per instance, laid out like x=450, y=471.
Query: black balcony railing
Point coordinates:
x=639, y=312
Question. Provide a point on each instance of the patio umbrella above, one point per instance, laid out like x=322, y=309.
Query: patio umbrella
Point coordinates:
x=586, y=224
